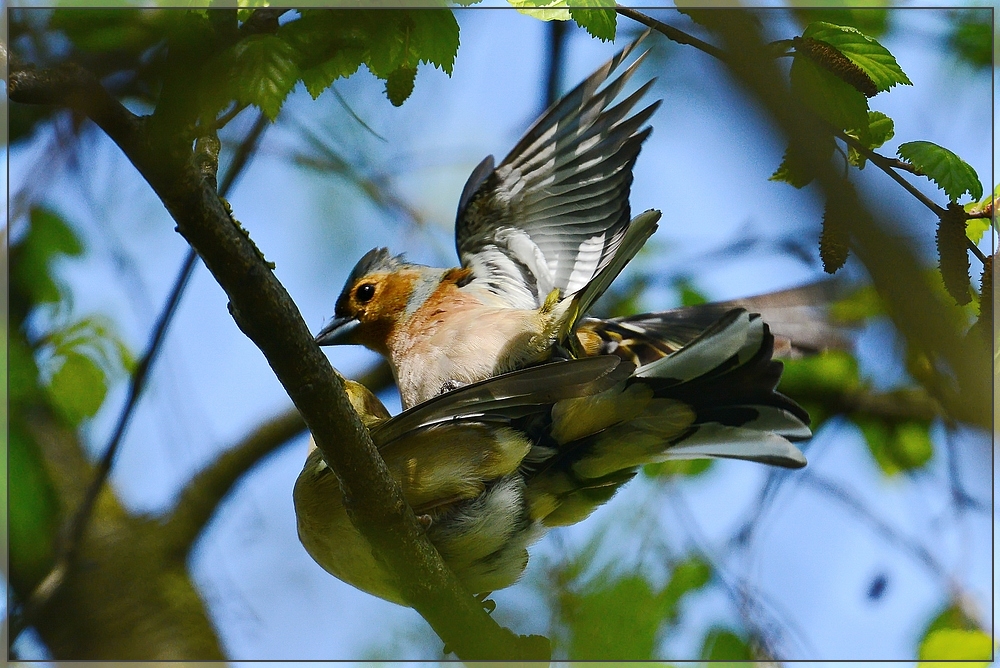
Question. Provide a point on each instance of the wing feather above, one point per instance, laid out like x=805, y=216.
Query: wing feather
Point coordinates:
x=553, y=213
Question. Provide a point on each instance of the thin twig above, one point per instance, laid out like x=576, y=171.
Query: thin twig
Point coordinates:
x=672, y=33
x=886, y=165
x=225, y=118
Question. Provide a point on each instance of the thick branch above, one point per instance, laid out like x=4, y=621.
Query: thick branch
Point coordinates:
x=267, y=315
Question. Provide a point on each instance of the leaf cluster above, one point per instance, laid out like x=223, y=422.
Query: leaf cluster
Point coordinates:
x=64, y=372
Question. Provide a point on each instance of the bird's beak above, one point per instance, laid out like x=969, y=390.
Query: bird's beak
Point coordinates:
x=338, y=332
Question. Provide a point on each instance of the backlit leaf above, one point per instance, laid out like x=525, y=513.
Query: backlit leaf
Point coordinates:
x=952, y=174
x=863, y=51
x=597, y=17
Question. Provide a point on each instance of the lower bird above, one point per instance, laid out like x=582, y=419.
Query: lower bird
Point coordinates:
x=491, y=466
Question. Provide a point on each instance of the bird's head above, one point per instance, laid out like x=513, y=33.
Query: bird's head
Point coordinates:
x=374, y=300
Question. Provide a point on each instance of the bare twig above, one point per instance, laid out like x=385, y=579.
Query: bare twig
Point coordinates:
x=225, y=118
x=672, y=33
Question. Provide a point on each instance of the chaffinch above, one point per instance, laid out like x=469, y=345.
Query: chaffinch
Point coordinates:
x=540, y=238
x=491, y=466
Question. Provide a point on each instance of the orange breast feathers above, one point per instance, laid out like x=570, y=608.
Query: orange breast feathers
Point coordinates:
x=454, y=338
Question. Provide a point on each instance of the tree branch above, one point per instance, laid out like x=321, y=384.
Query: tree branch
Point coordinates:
x=265, y=312
x=672, y=33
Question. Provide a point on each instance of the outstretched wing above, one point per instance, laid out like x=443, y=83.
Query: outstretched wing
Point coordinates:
x=553, y=213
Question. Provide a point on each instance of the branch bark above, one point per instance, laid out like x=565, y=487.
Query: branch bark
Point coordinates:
x=265, y=312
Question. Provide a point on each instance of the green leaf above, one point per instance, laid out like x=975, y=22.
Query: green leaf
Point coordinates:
x=78, y=388
x=722, y=644
x=543, y=10
x=687, y=576
x=399, y=85
x=878, y=436
x=33, y=510
x=858, y=306
x=896, y=447
x=48, y=237
x=597, y=616
x=345, y=63
x=102, y=30
x=263, y=72
x=863, y=51
x=951, y=616
x=912, y=446
x=947, y=170
x=976, y=227
x=435, y=38
x=955, y=645
x=22, y=372
x=829, y=96
x=880, y=130
x=870, y=20
x=609, y=604
x=597, y=17
x=335, y=43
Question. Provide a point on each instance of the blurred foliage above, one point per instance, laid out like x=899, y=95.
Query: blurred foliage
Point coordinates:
x=829, y=383
x=972, y=37
x=724, y=644
x=896, y=446
x=953, y=635
x=608, y=604
x=857, y=306
x=689, y=295
x=205, y=59
x=64, y=372
x=974, y=648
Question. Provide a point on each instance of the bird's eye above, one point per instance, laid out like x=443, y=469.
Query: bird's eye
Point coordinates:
x=365, y=292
